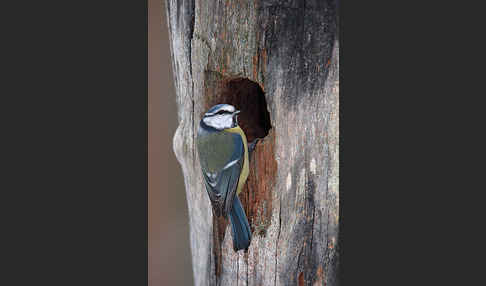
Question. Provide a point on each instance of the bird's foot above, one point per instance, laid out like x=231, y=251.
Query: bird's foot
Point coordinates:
x=252, y=146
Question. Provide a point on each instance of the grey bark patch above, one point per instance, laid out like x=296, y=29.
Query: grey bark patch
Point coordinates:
x=298, y=33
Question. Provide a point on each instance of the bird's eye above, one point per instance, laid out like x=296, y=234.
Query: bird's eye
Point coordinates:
x=221, y=112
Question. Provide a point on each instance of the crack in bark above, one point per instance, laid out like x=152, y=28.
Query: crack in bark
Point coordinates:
x=246, y=259
x=327, y=240
x=193, y=130
x=312, y=229
x=278, y=238
x=301, y=250
x=303, y=25
x=210, y=261
x=191, y=35
x=327, y=261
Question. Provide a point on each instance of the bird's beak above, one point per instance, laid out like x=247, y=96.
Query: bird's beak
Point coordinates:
x=235, y=118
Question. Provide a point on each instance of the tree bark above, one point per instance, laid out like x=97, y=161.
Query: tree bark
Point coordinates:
x=278, y=62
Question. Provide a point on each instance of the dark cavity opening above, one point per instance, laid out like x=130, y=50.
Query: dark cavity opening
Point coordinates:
x=247, y=96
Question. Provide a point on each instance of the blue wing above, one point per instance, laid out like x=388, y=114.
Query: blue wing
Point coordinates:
x=221, y=184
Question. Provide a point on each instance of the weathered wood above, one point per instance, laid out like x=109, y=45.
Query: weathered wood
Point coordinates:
x=280, y=57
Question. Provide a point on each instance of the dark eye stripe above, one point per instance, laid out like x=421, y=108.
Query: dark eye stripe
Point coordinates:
x=220, y=112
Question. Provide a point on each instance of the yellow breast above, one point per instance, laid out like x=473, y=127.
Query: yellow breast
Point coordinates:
x=245, y=170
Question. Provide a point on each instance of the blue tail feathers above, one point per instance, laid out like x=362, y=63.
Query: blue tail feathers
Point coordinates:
x=240, y=226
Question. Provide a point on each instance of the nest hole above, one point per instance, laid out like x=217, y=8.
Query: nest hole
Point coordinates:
x=248, y=97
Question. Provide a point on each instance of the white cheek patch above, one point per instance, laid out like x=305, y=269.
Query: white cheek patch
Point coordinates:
x=221, y=121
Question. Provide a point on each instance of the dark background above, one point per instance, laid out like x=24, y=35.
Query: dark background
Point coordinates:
x=169, y=248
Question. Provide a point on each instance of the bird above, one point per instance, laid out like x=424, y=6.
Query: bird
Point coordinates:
x=223, y=156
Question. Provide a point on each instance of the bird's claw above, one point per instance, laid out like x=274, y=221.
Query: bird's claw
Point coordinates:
x=252, y=145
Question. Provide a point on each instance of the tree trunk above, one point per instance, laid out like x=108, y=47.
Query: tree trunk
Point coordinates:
x=276, y=61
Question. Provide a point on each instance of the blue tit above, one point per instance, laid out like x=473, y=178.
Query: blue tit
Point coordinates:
x=223, y=155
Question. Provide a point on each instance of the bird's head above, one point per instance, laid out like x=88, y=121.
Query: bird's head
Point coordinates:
x=221, y=116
